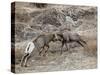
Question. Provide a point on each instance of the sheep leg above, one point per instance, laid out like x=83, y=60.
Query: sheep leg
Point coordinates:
x=40, y=51
x=27, y=58
x=79, y=42
x=46, y=50
x=67, y=46
x=83, y=44
x=23, y=59
x=86, y=46
x=83, y=41
x=62, y=47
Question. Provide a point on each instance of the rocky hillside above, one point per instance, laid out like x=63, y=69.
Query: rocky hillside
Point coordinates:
x=31, y=19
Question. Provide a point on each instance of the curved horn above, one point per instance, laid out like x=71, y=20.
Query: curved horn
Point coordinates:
x=34, y=38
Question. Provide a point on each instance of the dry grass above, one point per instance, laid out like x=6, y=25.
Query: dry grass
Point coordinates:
x=92, y=45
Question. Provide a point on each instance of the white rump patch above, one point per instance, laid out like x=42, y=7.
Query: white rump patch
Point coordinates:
x=30, y=47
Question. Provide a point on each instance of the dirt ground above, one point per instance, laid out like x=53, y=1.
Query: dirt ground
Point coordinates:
x=75, y=59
